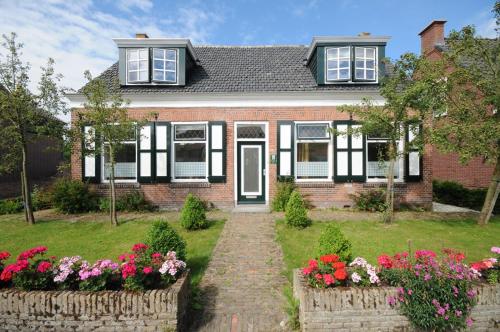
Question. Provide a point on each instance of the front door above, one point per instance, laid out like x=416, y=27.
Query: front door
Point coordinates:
x=251, y=172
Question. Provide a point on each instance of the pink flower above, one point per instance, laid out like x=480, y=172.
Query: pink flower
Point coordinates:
x=44, y=266
x=385, y=261
x=307, y=271
x=495, y=250
x=468, y=321
x=147, y=270
x=329, y=279
x=156, y=255
x=4, y=255
x=139, y=247
x=410, y=292
x=122, y=257
x=128, y=270
x=313, y=264
x=391, y=300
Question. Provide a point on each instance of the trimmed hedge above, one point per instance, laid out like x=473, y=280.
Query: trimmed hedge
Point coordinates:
x=163, y=238
x=449, y=192
x=193, y=214
x=333, y=241
x=296, y=212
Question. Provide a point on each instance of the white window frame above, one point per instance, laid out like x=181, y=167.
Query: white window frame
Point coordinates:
x=138, y=70
x=103, y=177
x=165, y=60
x=364, y=59
x=400, y=161
x=305, y=140
x=338, y=59
x=172, y=155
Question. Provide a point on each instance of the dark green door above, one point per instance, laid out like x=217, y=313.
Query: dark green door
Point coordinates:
x=251, y=172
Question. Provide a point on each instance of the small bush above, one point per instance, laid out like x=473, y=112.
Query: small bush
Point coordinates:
x=131, y=202
x=371, y=200
x=284, y=190
x=333, y=241
x=10, y=206
x=295, y=212
x=163, y=238
x=449, y=192
x=193, y=214
x=41, y=198
x=73, y=196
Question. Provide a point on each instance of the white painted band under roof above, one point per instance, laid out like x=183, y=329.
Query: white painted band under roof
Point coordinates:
x=292, y=99
x=344, y=39
x=157, y=42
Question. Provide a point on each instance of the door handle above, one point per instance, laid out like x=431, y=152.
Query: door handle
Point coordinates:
x=263, y=172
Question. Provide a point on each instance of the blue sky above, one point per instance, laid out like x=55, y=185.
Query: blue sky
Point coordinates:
x=77, y=34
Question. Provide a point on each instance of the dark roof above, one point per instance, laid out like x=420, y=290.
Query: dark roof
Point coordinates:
x=226, y=69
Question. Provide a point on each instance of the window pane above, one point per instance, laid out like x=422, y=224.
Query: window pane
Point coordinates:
x=332, y=53
x=132, y=76
x=344, y=64
x=170, y=76
x=344, y=52
x=158, y=53
x=158, y=64
x=190, y=160
x=132, y=65
x=132, y=54
x=171, y=54
x=332, y=64
x=360, y=64
x=251, y=131
x=359, y=52
x=143, y=54
x=192, y=132
x=370, y=53
x=251, y=172
x=370, y=74
x=143, y=65
x=360, y=73
x=312, y=131
x=125, y=162
x=370, y=64
x=158, y=75
x=344, y=74
x=312, y=160
x=170, y=65
x=378, y=161
x=332, y=75
x=143, y=76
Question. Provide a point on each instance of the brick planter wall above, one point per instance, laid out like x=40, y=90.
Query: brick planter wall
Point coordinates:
x=366, y=309
x=155, y=310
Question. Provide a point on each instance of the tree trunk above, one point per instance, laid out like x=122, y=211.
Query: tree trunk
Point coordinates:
x=491, y=196
x=112, y=207
x=389, y=195
x=26, y=190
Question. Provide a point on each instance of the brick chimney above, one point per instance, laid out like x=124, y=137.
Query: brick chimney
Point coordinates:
x=141, y=35
x=432, y=35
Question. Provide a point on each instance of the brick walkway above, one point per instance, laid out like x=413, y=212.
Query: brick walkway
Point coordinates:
x=242, y=289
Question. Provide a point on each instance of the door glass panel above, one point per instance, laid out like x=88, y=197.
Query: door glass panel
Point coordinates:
x=251, y=171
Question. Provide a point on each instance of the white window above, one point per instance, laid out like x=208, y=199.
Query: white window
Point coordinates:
x=377, y=161
x=164, y=65
x=313, y=146
x=137, y=65
x=365, y=63
x=338, y=63
x=190, y=151
x=125, y=161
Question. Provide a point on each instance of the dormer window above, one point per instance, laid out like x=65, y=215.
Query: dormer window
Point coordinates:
x=365, y=63
x=137, y=65
x=164, y=65
x=338, y=63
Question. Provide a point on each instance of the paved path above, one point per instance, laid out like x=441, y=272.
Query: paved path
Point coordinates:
x=440, y=207
x=242, y=289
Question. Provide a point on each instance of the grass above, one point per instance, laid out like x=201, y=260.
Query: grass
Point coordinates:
x=372, y=238
x=92, y=237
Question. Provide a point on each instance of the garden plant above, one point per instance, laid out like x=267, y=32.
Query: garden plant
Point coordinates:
x=193, y=214
x=296, y=212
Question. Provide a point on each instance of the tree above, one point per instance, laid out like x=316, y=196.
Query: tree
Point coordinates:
x=25, y=114
x=104, y=111
x=469, y=125
x=406, y=104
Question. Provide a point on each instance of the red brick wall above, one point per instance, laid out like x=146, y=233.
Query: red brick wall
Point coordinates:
x=222, y=194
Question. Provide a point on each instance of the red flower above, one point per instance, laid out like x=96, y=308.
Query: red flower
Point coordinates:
x=328, y=259
x=480, y=266
x=11, y=269
x=20, y=265
x=318, y=276
x=30, y=253
x=122, y=257
x=385, y=261
x=307, y=271
x=338, y=265
x=147, y=270
x=128, y=270
x=313, y=264
x=139, y=247
x=329, y=279
x=424, y=254
x=340, y=274
x=4, y=255
x=44, y=266
x=156, y=255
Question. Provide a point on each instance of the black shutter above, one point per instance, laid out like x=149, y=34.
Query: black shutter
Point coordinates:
x=285, y=148
x=91, y=160
x=145, y=149
x=162, y=154
x=217, y=151
x=348, y=153
x=413, y=158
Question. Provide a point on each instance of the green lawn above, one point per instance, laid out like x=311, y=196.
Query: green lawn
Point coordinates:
x=372, y=238
x=92, y=237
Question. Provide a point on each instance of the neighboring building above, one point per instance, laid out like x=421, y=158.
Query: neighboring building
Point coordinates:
x=233, y=120
x=475, y=174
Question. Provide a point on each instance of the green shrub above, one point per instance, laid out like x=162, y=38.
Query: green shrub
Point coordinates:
x=10, y=206
x=193, y=214
x=163, y=238
x=131, y=202
x=73, y=196
x=371, y=200
x=295, y=212
x=449, y=192
x=41, y=198
x=284, y=190
x=333, y=241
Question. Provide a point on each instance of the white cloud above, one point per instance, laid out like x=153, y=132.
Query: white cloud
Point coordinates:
x=129, y=5
x=485, y=24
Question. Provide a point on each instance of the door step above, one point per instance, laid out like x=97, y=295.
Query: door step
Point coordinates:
x=251, y=208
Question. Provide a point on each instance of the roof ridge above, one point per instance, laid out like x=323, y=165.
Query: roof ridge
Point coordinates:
x=250, y=46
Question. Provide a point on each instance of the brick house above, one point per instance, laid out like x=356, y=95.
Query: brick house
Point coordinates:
x=233, y=120
x=475, y=174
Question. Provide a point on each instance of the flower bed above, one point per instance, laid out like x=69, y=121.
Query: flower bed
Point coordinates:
x=428, y=293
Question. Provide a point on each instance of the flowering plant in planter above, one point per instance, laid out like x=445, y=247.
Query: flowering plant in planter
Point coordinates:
x=66, y=273
x=328, y=271
x=362, y=273
x=435, y=293
x=30, y=271
x=3, y=256
x=103, y=274
x=489, y=268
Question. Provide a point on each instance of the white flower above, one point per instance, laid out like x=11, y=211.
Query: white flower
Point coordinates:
x=359, y=261
x=374, y=279
x=355, y=277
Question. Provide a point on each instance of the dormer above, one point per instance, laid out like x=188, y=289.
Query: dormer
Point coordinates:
x=347, y=59
x=154, y=61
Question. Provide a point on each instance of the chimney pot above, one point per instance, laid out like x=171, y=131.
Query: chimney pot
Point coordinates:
x=141, y=35
x=364, y=34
